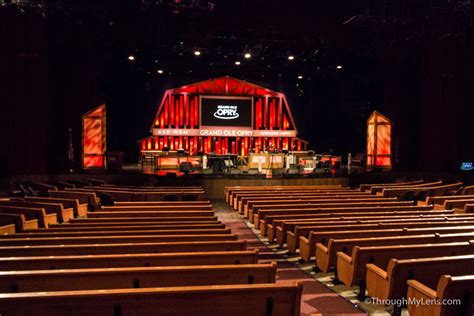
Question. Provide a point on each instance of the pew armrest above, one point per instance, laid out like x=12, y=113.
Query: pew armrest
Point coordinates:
x=420, y=287
x=321, y=247
x=377, y=271
x=344, y=257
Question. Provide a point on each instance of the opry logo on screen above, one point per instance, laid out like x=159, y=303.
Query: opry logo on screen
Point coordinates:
x=466, y=166
x=226, y=112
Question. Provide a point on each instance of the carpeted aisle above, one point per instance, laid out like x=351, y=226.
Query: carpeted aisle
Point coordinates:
x=317, y=298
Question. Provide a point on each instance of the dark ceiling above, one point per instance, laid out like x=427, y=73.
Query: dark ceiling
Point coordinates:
x=66, y=56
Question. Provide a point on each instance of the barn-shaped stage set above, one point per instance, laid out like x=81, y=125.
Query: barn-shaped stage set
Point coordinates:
x=223, y=123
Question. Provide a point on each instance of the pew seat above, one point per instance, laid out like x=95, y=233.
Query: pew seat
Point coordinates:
x=80, y=210
x=134, y=277
x=121, y=231
x=391, y=283
x=351, y=269
x=44, y=219
x=96, y=249
x=459, y=287
x=129, y=260
x=19, y=222
x=326, y=257
x=231, y=300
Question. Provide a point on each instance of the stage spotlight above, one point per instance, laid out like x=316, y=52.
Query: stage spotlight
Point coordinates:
x=160, y=71
x=237, y=63
x=247, y=55
x=131, y=57
x=339, y=66
x=300, y=77
x=197, y=53
x=291, y=57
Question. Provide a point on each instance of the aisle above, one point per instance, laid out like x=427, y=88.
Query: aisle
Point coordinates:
x=317, y=298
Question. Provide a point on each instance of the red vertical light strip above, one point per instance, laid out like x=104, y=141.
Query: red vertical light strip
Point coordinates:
x=205, y=145
x=166, y=112
x=186, y=110
x=233, y=147
x=218, y=146
x=162, y=120
x=272, y=114
x=156, y=143
x=148, y=145
x=196, y=111
x=299, y=145
x=191, y=113
x=165, y=141
x=171, y=142
x=209, y=144
x=171, y=110
x=181, y=111
x=280, y=112
x=265, y=113
x=180, y=144
x=191, y=146
x=176, y=113
x=176, y=143
x=258, y=114
x=237, y=143
x=161, y=143
x=144, y=144
x=195, y=144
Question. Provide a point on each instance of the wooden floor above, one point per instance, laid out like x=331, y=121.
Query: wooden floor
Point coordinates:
x=317, y=298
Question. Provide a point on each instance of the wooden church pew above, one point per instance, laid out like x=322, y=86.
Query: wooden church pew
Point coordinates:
x=308, y=247
x=134, y=277
x=326, y=208
x=283, y=226
x=62, y=214
x=156, y=208
x=44, y=219
x=265, y=203
x=133, y=226
x=391, y=283
x=326, y=257
x=351, y=269
x=85, y=198
x=368, y=186
x=129, y=260
x=79, y=210
x=273, y=222
x=96, y=249
x=146, y=220
x=449, y=288
x=120, y=232
x=253, y=299
x=150, y=214
x=19, y=221
x=293, y=236
x=137, y=230
x=81, y=240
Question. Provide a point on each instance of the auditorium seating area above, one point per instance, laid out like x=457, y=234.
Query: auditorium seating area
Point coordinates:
x=134, y=250
x=381, y=242
x=112, y=250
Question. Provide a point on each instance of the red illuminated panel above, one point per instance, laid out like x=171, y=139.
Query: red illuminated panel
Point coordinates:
x=383, y=161
x=94, y=138
x=370, y=139
x=196, y=111
x=181, y=112
x=166, y=112
x=93, y=161
x=383, y=139
x=258, y=114
x=172, y=110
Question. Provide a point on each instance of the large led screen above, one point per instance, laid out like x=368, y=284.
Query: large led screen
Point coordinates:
x=226, y=111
